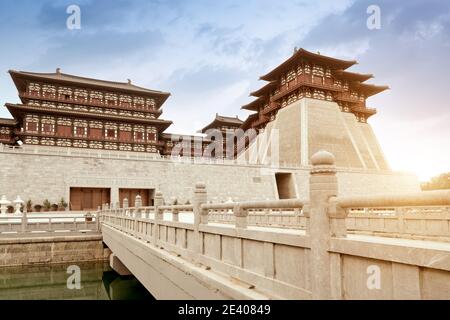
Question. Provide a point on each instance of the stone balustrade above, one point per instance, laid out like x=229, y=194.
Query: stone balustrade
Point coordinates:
x=323, y=260
x=47, y=223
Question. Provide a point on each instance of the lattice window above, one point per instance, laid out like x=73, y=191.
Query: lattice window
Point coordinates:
x=96, y=96
x=49, y=91
x=318, y=71
x=125, y=101
x=81, y=95
x=139, y=133
x=307, y=68
x=34, y=89
x=80, y=128
x=32, y=123
x=150, y=102
x=139, y=102
x=110, y=130
x=65, y=93
x=291, y=75
x=48, y=125
x=111, y=99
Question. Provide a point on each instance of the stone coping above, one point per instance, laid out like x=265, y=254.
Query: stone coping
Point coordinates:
x=137, y=156
x=39, y=238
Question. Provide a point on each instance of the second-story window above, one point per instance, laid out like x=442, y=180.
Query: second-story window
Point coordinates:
x=110, y=133
x=139, y=136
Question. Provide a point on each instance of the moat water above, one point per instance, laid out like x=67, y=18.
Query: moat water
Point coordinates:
x=97, y=282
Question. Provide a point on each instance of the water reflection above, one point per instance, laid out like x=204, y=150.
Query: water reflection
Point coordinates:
x=98, y=282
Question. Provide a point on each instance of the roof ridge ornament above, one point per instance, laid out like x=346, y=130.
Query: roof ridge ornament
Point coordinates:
x=58, y=71
x=129, y=81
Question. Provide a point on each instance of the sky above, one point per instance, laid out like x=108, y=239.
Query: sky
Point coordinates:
x=210, y=54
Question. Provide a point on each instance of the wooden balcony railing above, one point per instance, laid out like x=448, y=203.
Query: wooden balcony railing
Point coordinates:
x=272, y=106
x=27, y=95
x=87, y=138
x=302, y=81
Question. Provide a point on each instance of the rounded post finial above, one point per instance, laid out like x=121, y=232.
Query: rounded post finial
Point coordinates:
x=200, y=185
x=322, y=158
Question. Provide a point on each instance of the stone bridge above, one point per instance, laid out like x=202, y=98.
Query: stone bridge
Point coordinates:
x=326, y=247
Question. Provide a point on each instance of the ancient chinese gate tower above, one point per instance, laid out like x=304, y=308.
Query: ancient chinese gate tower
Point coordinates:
x=316, y=104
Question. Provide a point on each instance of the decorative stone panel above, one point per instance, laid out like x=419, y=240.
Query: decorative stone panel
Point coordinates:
x=125, y=147
x=48, y=141
x=64, y=142
x=110, y=146
x=95, y=145
x=80, y=144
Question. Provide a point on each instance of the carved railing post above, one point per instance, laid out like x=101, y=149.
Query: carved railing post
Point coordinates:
x=323, y=187
x=97, y=221
x=24, y=220
x=137, y=212
x=159, y=201
x=200, y=197
x=125, y=205
x=175, y=213
x=241, y=216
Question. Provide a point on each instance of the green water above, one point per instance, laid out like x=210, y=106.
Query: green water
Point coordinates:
x=98, y=282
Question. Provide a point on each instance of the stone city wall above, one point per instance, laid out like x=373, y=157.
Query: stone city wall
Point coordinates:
x=51, y=250
x=39, y=173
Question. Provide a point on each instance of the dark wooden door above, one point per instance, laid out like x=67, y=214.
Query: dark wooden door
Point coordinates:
x=88, y=198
